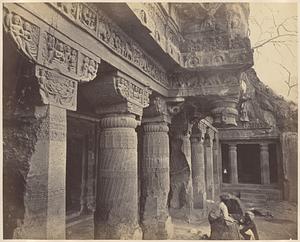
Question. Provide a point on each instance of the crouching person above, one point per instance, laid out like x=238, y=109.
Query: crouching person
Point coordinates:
x=249, y=230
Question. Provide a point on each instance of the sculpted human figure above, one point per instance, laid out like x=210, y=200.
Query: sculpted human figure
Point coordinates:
x=73, y=61
x=50, y=47
x=92, y=69
x=59, y=52
x=16, y=30
x=29, y=47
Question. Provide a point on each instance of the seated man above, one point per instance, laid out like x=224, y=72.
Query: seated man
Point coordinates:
x=249, y=227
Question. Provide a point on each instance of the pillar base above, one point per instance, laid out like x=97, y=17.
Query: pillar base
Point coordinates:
x=120, y=231
x=158, y=230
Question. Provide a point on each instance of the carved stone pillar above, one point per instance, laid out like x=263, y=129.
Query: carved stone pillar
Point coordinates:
x=155, y=169
x=209, y=164
x=225, y=112
x=217, y=168
x=116, y=215
x=39, y=133
x=233, y=173
x=120, y=100
x=264, y=163
x=180, y=165
x=156, y=221
x=198, y=166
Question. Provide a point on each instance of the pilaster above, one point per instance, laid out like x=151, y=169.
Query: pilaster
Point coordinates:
x=209, y=164
x=233, y=173
x=264, y=163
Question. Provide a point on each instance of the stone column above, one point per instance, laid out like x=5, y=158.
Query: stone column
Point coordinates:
x=233, y=173
x=44, y=197
x=119, y=100
x=39, y=143
x=264, y=163
x=116, y=215
x=155, y=217
x=198, y=170
x=217, y=164
x=209, y=167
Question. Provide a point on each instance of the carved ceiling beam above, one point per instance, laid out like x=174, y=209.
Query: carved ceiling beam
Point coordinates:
x=116, y=92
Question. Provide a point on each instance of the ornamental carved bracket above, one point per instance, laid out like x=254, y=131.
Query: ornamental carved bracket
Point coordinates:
x=116, y=92
x=56, y=89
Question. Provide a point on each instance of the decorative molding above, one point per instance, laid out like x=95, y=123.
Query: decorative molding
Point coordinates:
x=56, y=89
x=24, y=33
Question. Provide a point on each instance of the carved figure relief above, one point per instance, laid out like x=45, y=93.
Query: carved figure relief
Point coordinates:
x=57, y=52
x=132, y=92
x=68, y=8
x=87, y=17
x=24, y=34
x=57, y=90
x=89, y=69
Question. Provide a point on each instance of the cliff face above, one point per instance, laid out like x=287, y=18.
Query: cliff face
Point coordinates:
x=263, y=104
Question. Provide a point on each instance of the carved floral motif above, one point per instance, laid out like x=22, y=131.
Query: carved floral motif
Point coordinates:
x=24, y=34
x=89, y=69
x=132, y=92
x=57, y=90
x=57, y=52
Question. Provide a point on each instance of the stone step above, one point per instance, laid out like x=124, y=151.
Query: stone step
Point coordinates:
x=253, y=196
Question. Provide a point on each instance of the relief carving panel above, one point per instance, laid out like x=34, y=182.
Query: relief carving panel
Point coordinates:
x=56, y=89
x=24, y=34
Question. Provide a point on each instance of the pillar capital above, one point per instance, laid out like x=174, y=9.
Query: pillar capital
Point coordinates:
x=155, y=127
x=118, y=121
x=162, y=109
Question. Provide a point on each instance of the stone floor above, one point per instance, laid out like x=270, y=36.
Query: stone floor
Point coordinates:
x=282, y=226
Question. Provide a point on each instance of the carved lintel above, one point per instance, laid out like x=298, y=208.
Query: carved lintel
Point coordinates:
x=24, y=33
x=56, y=89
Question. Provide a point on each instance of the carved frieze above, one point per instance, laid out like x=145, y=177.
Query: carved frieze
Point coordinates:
x=58, y=54
x=88, y=17
x=186, y=80
x=115, y=38
x=104, y=29
x=132, y=92
x=24, y=33
x=70, y=9
x=56, y=89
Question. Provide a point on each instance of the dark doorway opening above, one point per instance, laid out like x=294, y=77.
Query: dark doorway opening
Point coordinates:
x=75, y=156
x=225, y=163
x=248, y=156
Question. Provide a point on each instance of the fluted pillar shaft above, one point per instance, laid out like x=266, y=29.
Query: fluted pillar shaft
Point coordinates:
x=116, y=215
x=198, y=172
x=233, y=164
x=264, y=164
x=217, y=174
x=209, y=171
x=156, y=222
